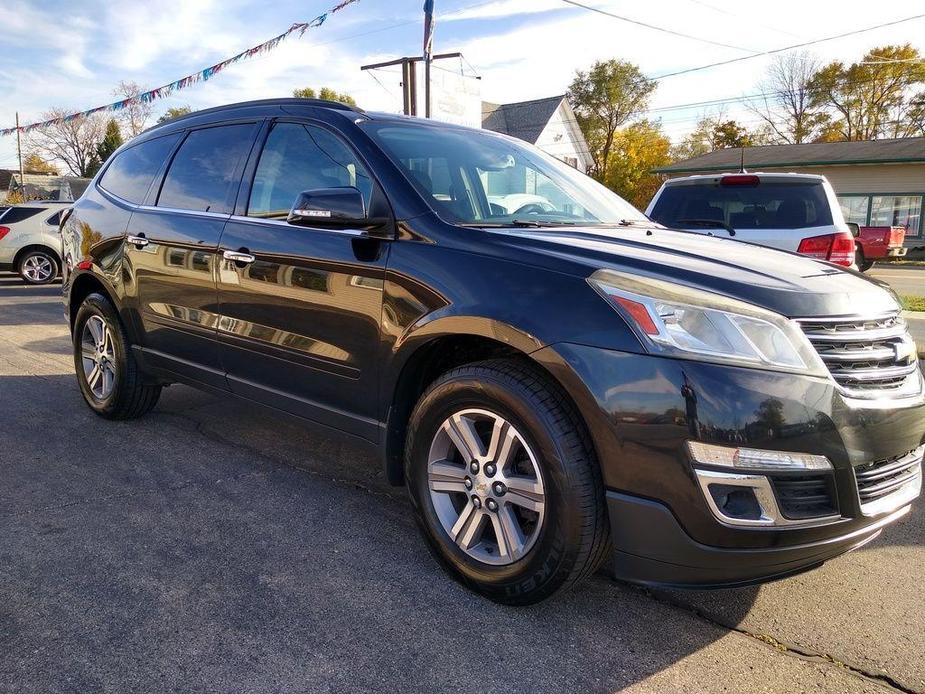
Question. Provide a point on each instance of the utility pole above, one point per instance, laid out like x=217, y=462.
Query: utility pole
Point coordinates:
x=428, y=51
x=22, y=183
x=409, y=79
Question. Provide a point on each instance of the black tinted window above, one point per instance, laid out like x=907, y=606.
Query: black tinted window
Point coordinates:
x=133, y=170
x=765, y=205
x=18, y=214
x=54, y=220
x=203, y=174
x=297, y=158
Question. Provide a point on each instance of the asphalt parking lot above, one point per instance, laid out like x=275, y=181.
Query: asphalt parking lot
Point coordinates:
x=214, y=546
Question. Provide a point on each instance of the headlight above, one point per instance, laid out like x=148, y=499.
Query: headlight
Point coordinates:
x=691, y=323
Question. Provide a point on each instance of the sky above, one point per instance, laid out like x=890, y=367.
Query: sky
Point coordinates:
x=73, y=53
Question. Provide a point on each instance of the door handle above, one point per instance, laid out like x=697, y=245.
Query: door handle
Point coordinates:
x=241, y=256
x=138, y=241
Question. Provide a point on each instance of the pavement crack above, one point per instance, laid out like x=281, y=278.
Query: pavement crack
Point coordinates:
x=880, y=678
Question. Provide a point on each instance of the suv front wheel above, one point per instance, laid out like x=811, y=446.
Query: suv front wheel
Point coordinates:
x=505, y=485
x=106, y=370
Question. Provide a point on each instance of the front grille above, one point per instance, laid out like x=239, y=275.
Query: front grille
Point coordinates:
x=883, y=478
x=801, y=497
x=867, y=357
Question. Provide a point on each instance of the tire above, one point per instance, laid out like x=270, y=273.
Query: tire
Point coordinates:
x=565, y=534
x=109, y=378
x=38, y=267
x=863, y=264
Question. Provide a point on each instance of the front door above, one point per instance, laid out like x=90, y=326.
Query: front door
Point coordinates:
x=300, y=315
x=171, y=251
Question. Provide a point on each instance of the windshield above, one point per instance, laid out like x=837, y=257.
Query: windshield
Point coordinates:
x=481, y=179
x=766, y=204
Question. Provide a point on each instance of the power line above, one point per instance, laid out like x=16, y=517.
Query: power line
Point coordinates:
x=785, y=48
x=656, y=28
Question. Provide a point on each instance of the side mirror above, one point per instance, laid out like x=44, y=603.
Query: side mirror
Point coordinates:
x=342, y=207
x=854, y=228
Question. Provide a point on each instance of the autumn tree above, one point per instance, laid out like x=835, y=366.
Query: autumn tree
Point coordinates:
x=879, y=96
x=71, y=142
x=34, y=164
x=605, y=98
x=174, y=112
x=324, y=93
x=716, y=132
x=134, y=115
x=786, y=105
x=637, y=149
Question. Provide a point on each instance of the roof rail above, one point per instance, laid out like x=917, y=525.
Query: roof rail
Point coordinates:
x=285, y=101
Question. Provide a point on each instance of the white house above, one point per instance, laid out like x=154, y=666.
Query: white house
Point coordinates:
x=548, y=123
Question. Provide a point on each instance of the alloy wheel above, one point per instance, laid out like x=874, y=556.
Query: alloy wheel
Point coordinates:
x=486, y=486
x=38, y=268
x=98, y=357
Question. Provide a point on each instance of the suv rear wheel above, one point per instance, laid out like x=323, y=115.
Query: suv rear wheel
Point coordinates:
x=506, y=488
x=38, y=267
x=106, y=370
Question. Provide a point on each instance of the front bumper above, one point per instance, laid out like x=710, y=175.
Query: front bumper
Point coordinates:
x=642, y=410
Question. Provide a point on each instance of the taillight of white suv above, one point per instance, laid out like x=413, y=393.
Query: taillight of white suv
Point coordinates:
x=837, y=248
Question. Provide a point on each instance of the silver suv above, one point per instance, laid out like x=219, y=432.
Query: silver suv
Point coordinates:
x=30, y=243
x=790, y=211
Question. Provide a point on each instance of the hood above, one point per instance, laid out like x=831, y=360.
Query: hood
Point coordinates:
x=780, y=281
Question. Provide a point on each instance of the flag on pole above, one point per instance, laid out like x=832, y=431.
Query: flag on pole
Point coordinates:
x=428, y=28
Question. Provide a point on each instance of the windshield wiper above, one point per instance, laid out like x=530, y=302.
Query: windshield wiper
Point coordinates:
x=541, y=223
x=715, y=223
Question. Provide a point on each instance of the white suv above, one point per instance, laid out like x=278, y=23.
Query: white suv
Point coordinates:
x=30, y=243
x=790, y=211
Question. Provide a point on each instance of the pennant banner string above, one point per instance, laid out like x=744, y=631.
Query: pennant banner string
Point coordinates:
x=184, y=82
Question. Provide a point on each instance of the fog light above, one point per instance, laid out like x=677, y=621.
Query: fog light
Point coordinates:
x=736, y=502
x=755, y=458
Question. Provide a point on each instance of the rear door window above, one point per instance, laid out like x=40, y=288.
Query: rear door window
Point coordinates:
x=133, y=170
x=204, y=173
x=18, y=214
x=765, y=205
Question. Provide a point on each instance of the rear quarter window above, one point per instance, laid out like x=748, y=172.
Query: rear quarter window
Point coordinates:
x=766, y=205
x=133, y=170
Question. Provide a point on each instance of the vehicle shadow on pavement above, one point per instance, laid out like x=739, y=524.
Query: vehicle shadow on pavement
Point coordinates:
x=216, y=545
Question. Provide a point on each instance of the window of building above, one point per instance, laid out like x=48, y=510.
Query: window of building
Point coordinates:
x=203, y=175
x=297, y=158
x=133, y=170
x=897, y=210
x=854, y=208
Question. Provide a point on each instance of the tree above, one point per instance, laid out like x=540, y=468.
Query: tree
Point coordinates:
x=875, y=97
x=325, y=93
x=605, y=98
x=174, y=112
x=786, y=105
x=34, y=164
x=111, y=141
x=637, y=149
x=71, y=142
x=135, y=114
x=716, y=132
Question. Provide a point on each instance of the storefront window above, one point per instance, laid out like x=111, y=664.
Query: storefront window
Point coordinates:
x=854, y=208
x=897, y=210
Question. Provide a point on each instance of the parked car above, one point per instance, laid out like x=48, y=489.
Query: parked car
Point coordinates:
x=879, y=244
x=790, y=211
x=29, y=240
x=579, y=386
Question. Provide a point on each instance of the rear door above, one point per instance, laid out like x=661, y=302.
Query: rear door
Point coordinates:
x=171, y=250
x=299, y=323
x=771, y=211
